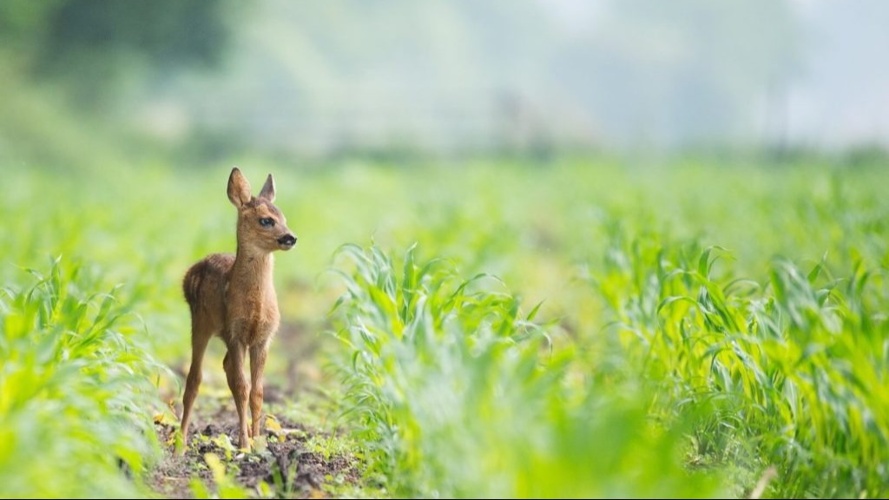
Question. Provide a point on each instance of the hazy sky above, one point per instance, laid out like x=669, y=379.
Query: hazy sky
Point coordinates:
x=626, y=73
x=837, y=92
x=842, y=93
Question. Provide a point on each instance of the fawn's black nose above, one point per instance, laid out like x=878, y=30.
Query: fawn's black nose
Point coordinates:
x=288, y=240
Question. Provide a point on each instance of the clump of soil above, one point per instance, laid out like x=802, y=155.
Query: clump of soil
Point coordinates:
x=286, y=465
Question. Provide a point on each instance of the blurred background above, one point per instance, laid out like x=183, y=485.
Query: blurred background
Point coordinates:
x=197, y=83
x=688, y=196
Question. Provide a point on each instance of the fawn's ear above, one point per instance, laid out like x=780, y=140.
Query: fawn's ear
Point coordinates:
x=268, y=189
x=238, y=188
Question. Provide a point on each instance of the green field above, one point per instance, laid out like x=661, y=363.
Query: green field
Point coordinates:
x=579, y=326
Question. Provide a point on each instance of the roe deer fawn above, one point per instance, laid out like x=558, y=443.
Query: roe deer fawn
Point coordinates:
x=233, y=296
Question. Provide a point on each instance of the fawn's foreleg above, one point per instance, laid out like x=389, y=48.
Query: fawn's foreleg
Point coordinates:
x=237, y=382
x=258, y=355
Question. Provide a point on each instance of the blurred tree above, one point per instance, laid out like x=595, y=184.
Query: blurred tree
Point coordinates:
x=93, y=45
x=164, y=32
x=24, y=20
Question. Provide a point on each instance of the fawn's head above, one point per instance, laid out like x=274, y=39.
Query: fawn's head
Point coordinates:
x=261, y=226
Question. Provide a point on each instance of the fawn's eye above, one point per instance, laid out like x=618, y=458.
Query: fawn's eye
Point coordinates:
x=266, y=222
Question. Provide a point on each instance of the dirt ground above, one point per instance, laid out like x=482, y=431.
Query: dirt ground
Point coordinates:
x=294, y=459
x=289, y=465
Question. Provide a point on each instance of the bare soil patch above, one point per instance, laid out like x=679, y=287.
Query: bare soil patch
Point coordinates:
x=288, y=464
x=295, y=461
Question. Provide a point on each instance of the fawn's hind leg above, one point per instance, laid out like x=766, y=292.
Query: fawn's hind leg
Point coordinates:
x=200, y=337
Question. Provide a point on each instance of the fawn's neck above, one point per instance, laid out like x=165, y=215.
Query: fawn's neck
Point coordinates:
x=252, y=270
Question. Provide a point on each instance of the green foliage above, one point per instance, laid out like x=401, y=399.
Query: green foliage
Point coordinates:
x=795, y=366
x=459, y=394
x=74, y=388
x=763, y=363
x=662, y=329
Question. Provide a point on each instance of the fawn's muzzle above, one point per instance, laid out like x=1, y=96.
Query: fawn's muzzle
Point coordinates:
x=287, y=241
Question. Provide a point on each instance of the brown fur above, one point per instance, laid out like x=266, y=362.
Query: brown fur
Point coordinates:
x=233, y=296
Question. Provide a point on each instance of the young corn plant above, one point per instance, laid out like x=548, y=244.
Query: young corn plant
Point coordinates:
x=457, y=393
x=793, y=371
x=74, y=388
